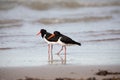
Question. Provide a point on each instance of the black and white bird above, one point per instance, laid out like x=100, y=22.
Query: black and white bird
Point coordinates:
x=63, y=40
x=45, y=35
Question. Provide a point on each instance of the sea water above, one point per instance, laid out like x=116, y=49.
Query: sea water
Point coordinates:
x=93, y=23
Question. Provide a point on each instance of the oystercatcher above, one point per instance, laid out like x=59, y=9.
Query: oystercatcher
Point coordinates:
x=64, y=41
x=51, y=41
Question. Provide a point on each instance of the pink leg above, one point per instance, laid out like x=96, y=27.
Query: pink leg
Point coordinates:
x=51, y=52
x=65, y=53
x=48, y=52
x=60, y=50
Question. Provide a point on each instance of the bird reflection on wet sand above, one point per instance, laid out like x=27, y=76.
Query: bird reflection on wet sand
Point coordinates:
x=57, y=61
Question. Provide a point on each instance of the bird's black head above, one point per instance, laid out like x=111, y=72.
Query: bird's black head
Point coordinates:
x=57, y=33
x=42, y=32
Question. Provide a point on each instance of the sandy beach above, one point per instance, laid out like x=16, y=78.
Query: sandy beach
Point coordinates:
x=59, y=72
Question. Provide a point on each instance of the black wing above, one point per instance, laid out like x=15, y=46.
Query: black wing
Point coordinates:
x=53, y=39
x=68, y=40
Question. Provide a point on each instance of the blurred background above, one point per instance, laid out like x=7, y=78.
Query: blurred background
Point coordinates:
x=94, y=23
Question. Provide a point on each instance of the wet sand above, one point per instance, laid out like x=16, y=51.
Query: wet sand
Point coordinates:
x=23, y=56
x=59, y=72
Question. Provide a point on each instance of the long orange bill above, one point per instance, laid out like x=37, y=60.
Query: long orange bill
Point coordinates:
x=52, y=35
x=38, y=33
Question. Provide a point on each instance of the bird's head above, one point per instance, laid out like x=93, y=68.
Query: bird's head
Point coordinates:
x=56, y=33
x=42, y=32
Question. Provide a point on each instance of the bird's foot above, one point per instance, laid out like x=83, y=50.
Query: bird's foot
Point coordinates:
x=50, y=60
x=58, y=54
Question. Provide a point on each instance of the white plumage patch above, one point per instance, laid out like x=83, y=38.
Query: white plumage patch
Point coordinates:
x=62, y=43
x=48, y=41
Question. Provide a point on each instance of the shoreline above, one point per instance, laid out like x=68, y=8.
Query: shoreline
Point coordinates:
x=60, y=72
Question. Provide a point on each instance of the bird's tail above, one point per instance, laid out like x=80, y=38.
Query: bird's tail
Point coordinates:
x=78, y=43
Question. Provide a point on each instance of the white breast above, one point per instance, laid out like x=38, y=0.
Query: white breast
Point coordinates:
x=48, y=41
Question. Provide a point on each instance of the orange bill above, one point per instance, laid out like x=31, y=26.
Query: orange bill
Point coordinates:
x=52, y=35
x=38, y=33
